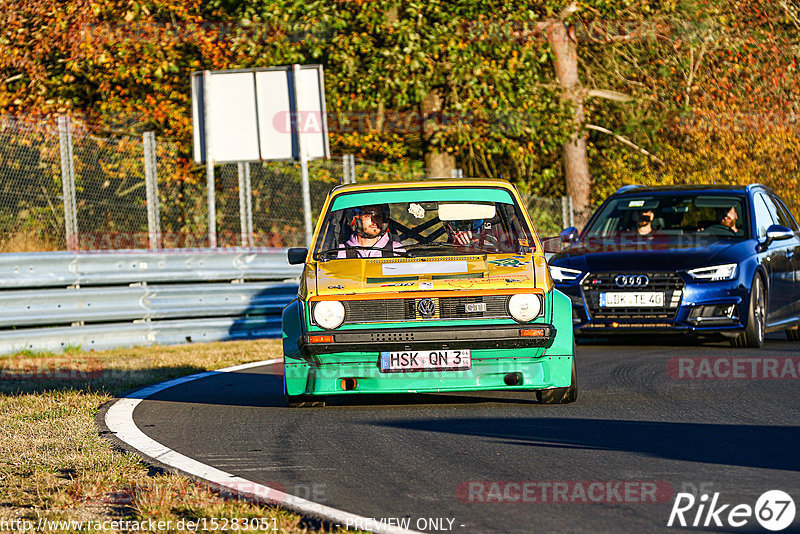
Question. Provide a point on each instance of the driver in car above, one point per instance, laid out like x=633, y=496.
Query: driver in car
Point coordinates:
x=727, y=218
x=370, y=237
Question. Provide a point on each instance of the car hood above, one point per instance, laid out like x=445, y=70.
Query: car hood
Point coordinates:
x=642, y=256
x=391, y=275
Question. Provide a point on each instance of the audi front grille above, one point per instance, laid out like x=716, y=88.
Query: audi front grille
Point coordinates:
x=667, y=282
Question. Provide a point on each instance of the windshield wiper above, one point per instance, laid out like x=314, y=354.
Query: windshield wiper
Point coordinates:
x=324, y=253
x=436, y=244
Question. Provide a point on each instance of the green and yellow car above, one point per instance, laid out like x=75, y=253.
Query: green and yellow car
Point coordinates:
x=432, y=286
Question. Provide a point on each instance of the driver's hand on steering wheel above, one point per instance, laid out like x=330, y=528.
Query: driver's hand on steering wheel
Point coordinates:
x=462, y=238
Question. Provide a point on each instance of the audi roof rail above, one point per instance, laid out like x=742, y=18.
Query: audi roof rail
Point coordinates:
x=626, y=188
x=750, y=187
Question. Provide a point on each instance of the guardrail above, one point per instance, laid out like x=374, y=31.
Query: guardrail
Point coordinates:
x=54, y=300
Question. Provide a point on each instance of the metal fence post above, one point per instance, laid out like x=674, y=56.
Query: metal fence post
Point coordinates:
x=571, y=213
x=245, y=205
x=352, y=168
x=212, y=203
x=564, y=214
x=68, y=183
x=249, y=198
x=456, y=173
x=303, y=156
x=151, y=186
x=346, y=169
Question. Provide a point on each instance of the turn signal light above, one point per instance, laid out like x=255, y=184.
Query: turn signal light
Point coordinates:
x=532, y=332
x=320, y=339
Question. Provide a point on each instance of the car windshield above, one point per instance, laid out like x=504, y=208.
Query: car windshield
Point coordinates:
x=678, y=217
x=423, y=222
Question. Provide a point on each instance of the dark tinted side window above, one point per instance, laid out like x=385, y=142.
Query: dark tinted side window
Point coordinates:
x=784, y=215
x=763, y=218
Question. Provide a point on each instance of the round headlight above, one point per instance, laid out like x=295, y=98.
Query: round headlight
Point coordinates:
x=329, y=314
x=524, y=307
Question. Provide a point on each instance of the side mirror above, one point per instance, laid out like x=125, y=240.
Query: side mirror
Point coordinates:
x=776, y=232
x=551, y=245
x=569, y=235
x=297, y=255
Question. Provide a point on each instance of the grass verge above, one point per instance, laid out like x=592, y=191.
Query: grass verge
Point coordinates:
x=55, y=466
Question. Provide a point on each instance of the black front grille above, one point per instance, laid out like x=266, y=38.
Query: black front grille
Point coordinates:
x=392, y=310
x=667, y=282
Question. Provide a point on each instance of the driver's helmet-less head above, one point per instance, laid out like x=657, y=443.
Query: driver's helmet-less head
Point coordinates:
x=379, y=214
x=721, y=213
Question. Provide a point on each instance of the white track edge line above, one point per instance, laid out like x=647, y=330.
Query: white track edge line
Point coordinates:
x=119, y=420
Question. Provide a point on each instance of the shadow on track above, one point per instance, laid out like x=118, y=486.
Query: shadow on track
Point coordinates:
x=253, y=389
x=759, y=446
x=775, y=341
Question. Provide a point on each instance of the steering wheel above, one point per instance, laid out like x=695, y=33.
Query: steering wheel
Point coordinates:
x=718, y=228
x=489, y=240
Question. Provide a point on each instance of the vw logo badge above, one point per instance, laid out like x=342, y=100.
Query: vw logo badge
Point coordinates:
x=631, y=280
x=426, y=308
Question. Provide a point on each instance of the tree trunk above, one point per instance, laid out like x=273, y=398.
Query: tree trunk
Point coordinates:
x=437, y=164
x=576, y=161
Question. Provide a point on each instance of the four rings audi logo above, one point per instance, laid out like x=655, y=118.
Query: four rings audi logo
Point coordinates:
x=631, y=280
x=426, y=308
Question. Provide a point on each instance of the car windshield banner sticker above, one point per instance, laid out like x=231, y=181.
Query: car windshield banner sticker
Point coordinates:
x=431, y=267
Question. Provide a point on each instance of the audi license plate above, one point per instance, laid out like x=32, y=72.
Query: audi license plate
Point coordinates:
x=645, y=299
x=425, y=360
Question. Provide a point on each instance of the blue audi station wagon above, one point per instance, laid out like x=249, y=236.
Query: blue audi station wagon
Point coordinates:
x=697, y=260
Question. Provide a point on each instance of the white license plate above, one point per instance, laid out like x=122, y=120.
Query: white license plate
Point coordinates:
x=645, y=299
x=426, y=360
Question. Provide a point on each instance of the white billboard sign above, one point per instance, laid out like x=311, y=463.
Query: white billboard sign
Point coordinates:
x=258, y=114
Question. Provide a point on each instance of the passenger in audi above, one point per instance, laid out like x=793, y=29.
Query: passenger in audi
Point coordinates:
x=726, y=217
x=370, y=235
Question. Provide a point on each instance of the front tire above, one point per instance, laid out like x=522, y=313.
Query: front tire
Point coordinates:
x=561, y=395
x=753, y=335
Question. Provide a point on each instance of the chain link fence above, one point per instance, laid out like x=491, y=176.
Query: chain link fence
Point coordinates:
x=112, y=183
x=31, y=193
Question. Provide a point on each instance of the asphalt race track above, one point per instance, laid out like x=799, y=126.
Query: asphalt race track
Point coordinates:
x=640, y=432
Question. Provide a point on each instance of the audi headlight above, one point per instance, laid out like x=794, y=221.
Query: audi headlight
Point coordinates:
x=717, y=272
x=561, y=274
x=524, y=307
x=328, y=314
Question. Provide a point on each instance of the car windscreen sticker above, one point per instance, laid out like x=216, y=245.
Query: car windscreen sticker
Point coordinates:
x=428, y=267
x=510, y=262
x=416, y=210
x=636, y=203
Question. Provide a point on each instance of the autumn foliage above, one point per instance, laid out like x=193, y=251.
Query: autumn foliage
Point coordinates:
x=710, y=89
